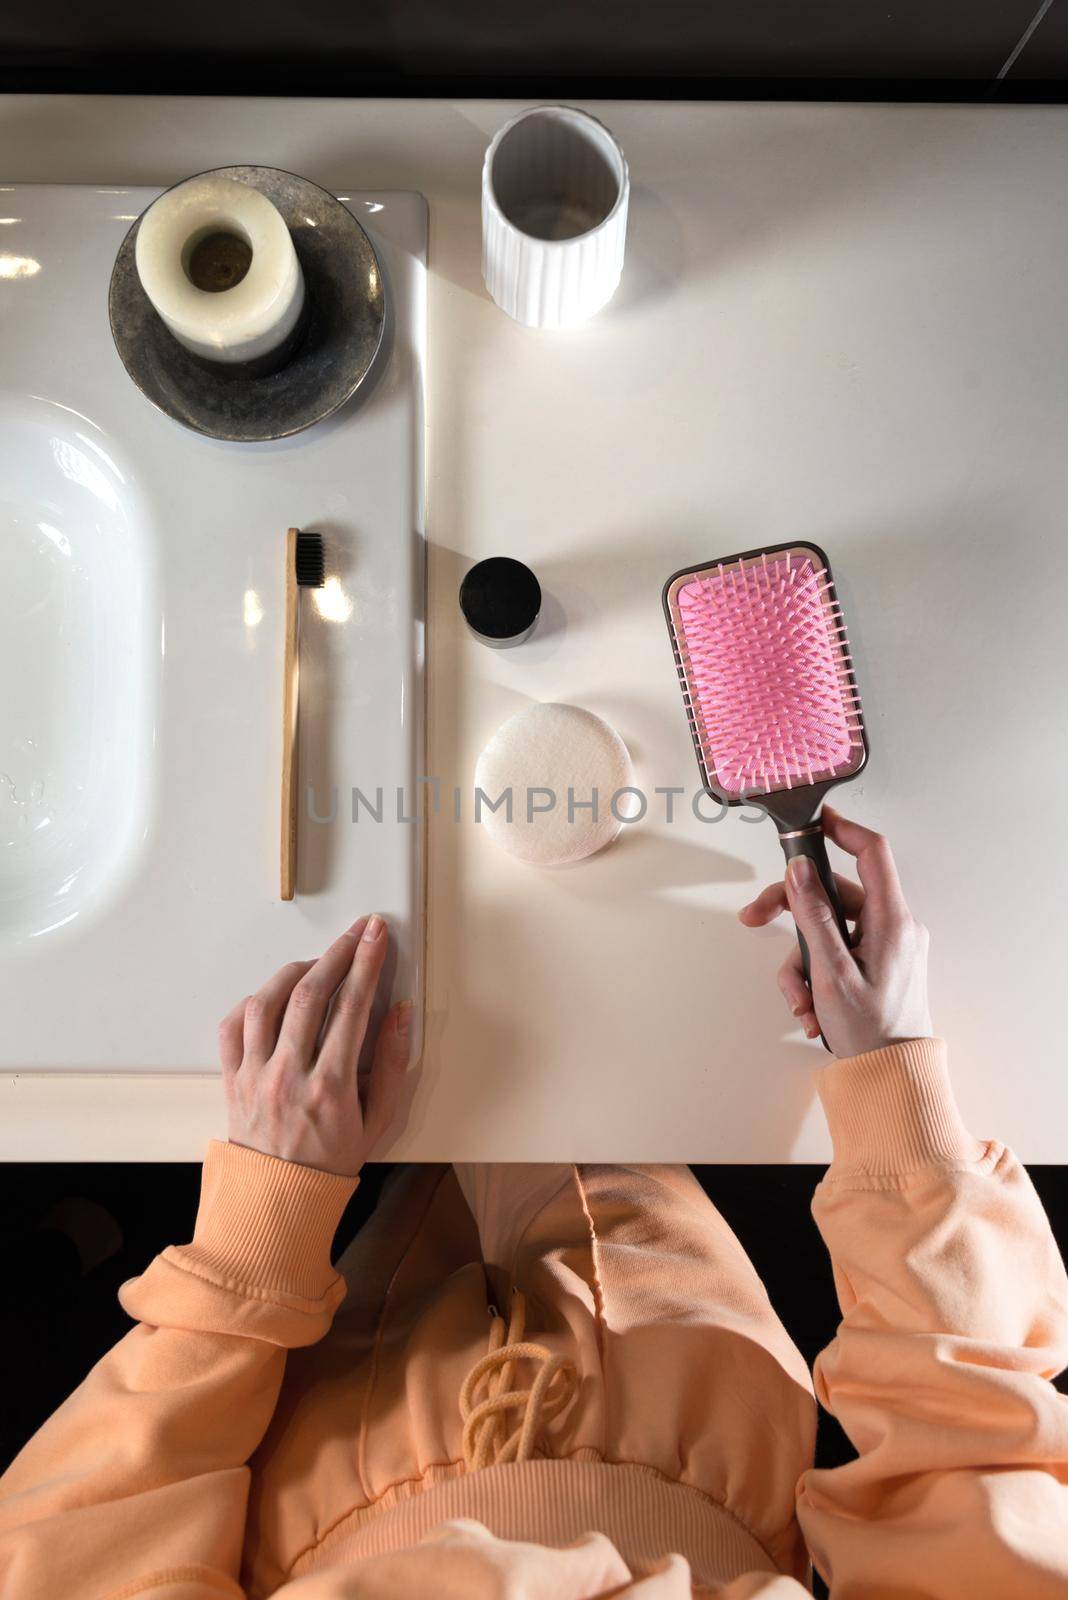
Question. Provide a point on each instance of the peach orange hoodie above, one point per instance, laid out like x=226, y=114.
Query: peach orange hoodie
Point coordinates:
x=954, y=1320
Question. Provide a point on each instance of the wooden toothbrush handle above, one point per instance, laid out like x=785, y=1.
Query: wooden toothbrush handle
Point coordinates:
x=290, y=698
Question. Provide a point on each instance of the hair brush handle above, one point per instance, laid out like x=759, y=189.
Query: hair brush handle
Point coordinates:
x=810, y=842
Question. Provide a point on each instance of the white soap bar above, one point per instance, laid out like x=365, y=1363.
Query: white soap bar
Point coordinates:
x=260, y=311
x=564, y=770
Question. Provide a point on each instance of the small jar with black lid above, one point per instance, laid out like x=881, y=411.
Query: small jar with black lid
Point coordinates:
x=500, y=599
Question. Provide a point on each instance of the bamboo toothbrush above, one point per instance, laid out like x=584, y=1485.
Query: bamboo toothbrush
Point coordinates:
x=304, y=570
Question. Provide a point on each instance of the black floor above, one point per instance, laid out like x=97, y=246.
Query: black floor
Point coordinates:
x=62, y=1321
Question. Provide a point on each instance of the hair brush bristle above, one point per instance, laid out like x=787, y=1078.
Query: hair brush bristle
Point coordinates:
x=309, y=561
x=768, y=675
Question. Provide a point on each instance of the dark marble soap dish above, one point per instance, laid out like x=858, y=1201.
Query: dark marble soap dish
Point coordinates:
x=338, y=340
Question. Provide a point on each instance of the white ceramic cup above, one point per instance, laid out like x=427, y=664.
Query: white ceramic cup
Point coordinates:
x=555, y=189
x=217, y=261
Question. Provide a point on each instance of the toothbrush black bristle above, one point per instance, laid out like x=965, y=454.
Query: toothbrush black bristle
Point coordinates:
x=310, y=561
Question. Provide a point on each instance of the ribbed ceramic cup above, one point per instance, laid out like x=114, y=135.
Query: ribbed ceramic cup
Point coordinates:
x=555, y=189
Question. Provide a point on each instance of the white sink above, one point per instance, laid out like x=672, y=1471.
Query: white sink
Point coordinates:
x=77, y=661
x=141, y=631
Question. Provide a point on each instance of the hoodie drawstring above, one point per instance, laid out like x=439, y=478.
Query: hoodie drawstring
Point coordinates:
x=487, y=1398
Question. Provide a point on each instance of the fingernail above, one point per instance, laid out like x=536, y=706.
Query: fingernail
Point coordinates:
x=799, y=1008
x=800, y=871
x=404, y=1017
x=374, y=929
x=812, y=1030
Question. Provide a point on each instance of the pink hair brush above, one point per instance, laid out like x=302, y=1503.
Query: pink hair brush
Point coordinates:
x=768, y=684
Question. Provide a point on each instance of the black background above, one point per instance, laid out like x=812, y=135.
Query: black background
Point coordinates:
x=689, y=49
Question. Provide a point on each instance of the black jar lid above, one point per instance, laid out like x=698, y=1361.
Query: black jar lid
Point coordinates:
x=500, y=599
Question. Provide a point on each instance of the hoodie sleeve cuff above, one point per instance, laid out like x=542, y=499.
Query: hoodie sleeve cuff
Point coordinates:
x=893, y=1111
x=266, y=1224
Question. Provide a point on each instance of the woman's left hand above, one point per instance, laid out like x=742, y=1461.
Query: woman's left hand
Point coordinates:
x=291, y=1083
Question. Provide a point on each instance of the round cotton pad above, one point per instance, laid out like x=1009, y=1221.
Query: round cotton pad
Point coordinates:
x=541, y=755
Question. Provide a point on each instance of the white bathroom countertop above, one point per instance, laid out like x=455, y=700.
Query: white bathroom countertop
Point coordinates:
x=839, y=324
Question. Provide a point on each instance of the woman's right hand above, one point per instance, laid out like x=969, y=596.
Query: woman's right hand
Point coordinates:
x=874, y=993
x=290, y=1056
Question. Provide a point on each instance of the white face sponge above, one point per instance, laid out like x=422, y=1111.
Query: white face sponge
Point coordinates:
x=553, y=760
